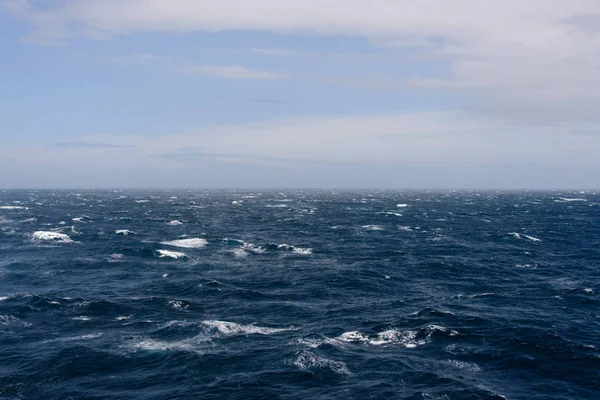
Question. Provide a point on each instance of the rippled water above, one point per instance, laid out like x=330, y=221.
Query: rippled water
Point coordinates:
x=299, y=294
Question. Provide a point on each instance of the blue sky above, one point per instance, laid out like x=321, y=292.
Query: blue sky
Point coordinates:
x=265, y=93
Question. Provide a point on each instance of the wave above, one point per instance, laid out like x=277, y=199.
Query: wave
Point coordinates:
x=296, y=250
x=231, y=328
x=193, y=243
x=88, y=336
x=125, y=232
x=51, y=236
x=9, y=320
x=307, y=360
x=566, y=199
x=372, y=227
x=409, y=339
x=521, y=235
x=13, y=208
x=397, y=214
x=172, y=254
x=240, y=253
x=402, y=205
x=175, y=223
x=255, y=249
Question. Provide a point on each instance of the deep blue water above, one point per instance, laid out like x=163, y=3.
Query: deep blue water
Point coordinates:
x=299, y=294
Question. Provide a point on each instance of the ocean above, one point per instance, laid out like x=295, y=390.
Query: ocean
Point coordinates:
x=299, y=294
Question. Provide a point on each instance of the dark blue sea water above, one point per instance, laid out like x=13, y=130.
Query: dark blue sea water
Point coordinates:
x=299, y=295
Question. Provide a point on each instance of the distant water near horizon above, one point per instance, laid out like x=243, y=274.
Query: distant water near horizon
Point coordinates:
x=299, y=294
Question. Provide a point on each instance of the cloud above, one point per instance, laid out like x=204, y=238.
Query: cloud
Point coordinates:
x=86, y=145
x=137, y=59
x=425, y=138
x=274, y=52
x=411, y=149
x=532, y=61
x=233, y=72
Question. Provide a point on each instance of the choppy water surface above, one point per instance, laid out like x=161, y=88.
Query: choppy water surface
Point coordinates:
x=299, y=294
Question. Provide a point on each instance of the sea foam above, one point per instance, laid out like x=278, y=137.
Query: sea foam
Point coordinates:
x=171, y=254
x=193, y=243
x=51, y=236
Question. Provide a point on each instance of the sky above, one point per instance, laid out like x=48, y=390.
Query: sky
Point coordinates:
x=300, y=94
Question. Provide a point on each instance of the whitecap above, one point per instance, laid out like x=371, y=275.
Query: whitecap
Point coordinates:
x=178, y=305
x=402, y=205
x=240, y=253
x=397, y=214
x=53, y=236
x=6, y=320
x=125, y=232
x=175, y=223
x=373, y=227
x=193, y=243
x=122, y=317
x=13, y=208
x=302, y=251
x=81, y=318
x=190, y=345
x=142, y=201
x=295, y=250
x=464, y=365
x=533, y=239
x=405, y=228
x=231, y=328
x=172, y=254
x=88, y=336
x=307, y=360
x=566, y=199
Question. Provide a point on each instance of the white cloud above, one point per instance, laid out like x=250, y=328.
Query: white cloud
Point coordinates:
x=233, y=72
x=424, y=149
x=421, y=138
x=534, y=61
x=273, y=52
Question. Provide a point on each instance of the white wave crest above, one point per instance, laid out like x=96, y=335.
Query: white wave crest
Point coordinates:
x=89, y=336
x=125, y=232
x=521, y=236
x=172, y=254
x=240, y=253
x=566, y=199
x=53, y=236
x=81, y=318
x=302, y=251
x=175, y=223
x=308, y=360
x=373, y=227
x=196, y=344
x=193, y=243
x=402, y=205
x=13, y=208
x=9, y=320
x=296, y=250
x=231, y=328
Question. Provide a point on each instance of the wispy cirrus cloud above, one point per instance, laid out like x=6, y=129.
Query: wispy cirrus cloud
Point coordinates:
x=232, y=72
x=135, y=59
x=88, y=145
